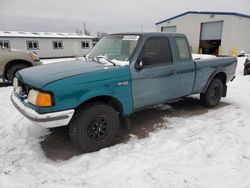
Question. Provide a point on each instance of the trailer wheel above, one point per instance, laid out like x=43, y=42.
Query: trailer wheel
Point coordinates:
x=213, y=94
x=13, y=69
x=94, y=127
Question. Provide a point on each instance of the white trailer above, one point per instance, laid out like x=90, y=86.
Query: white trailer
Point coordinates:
x=47, y=44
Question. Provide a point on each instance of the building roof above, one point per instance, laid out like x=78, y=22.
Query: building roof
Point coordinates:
x=204, y=12
x=24, y=34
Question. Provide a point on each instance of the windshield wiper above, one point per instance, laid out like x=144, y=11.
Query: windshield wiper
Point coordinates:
x=103, y=57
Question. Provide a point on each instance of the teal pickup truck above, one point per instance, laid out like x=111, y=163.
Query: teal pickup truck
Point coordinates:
x=122, y=74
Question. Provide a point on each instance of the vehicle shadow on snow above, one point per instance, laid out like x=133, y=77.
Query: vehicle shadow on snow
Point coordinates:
x=57, y=145
x=5, y=84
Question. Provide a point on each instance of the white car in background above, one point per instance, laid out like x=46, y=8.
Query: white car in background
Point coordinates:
x=247, y=62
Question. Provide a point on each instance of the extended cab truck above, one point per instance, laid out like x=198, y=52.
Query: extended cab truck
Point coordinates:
x=12, y=61
x=122, y=74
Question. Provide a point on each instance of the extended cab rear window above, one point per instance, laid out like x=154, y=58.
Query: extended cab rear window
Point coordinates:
x=183, y=48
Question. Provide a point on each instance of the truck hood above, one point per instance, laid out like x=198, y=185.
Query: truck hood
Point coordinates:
x=40, y=76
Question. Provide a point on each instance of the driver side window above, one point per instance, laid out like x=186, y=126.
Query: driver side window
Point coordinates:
x=157, y=50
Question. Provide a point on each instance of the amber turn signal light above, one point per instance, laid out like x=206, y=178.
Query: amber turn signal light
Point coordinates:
x=40, y=99
x=43, y=100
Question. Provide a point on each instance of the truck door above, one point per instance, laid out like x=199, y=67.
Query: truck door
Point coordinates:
x=154, y=77
x=186, y=64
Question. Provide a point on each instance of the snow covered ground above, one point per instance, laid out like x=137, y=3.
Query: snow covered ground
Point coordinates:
x=187, y=145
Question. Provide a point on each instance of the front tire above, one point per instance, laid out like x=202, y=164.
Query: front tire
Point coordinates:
x=213, y=94
x=12, y=71
x=94, y=127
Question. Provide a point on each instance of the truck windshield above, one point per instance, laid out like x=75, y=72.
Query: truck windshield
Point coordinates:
x=115, y=47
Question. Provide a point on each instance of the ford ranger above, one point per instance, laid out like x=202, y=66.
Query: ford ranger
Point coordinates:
x=122, y=74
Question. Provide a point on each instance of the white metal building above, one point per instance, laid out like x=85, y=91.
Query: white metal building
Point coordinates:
x=47, y=44
x=220, y=33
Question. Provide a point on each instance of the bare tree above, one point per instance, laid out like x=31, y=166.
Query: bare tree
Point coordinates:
x=101, y=34
x=78, y=31
x=85, y=30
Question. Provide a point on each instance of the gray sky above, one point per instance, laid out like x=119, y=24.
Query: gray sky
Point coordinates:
x=102, y=15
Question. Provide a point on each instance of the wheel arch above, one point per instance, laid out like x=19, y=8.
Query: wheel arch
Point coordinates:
x=220, y=74
x=107, y=99
x=15, y=62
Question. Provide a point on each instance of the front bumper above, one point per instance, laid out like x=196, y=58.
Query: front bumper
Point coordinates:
x=48, y=120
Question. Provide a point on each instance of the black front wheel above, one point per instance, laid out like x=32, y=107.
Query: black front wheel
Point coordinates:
x=94, y=127
x=12, y=71
x=213, y=94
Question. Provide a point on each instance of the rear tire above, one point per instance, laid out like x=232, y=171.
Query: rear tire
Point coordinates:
x=12, y=71
x=247, y=69
x=94, y=127
x=213, y=94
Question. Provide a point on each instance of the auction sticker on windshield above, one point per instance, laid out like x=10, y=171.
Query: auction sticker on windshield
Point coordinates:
x=130, y=37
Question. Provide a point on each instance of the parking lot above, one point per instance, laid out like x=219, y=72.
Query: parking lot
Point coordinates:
x=181, y=144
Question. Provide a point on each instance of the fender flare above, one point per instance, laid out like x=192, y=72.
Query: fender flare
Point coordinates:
x=211, y=77
x=13, y=62
x=103, y=97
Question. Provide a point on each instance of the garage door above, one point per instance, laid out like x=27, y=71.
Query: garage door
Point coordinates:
x=169, y=29
x=211, y=30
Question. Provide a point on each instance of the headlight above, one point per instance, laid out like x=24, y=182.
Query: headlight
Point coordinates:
x=15, y=83
x=40, y=99
x=34, y=57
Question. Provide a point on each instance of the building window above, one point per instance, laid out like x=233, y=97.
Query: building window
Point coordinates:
x=32, y=45
x=169, y=29
x=57, y=44
x=85, y=44
x=4, y=44
x=183, y=49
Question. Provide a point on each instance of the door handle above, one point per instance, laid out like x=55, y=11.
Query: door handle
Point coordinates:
x=173, y=71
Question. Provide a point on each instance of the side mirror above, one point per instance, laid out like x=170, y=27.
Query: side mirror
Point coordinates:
x=142, y=62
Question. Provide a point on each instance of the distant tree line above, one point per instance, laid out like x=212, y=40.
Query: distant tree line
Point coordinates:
x=85, y=31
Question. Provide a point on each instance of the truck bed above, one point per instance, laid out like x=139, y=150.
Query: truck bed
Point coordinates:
x=207, y=66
